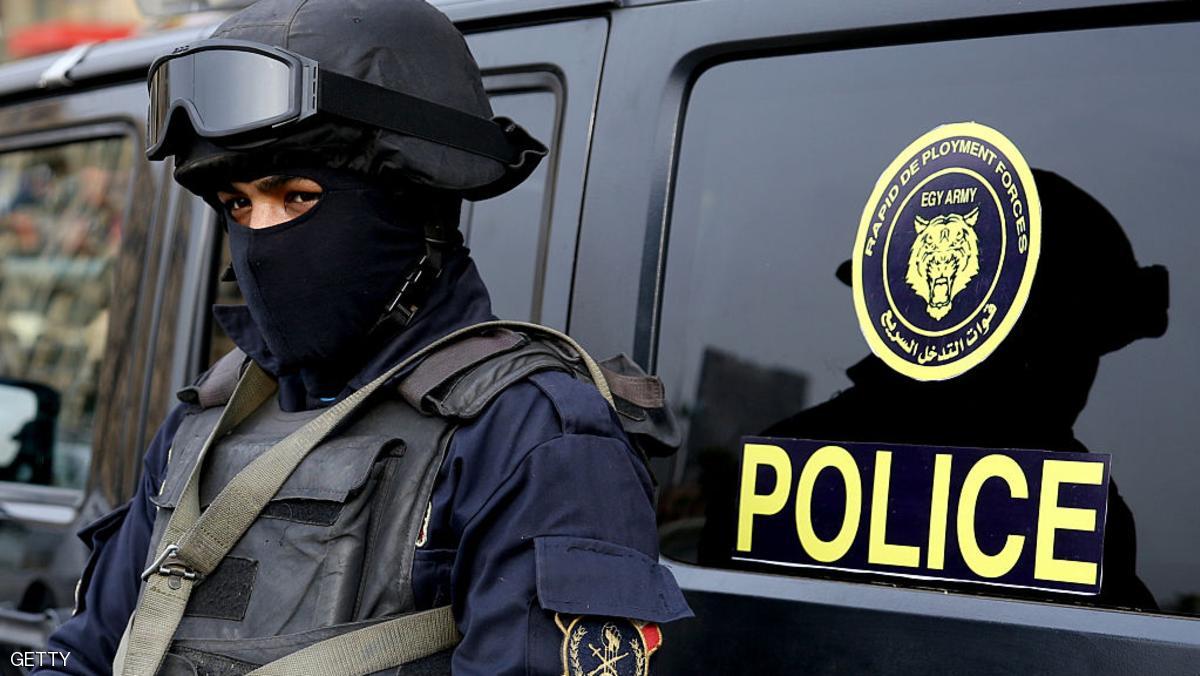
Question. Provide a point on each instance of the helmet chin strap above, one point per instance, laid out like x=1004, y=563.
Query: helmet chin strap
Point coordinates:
x=418, y=282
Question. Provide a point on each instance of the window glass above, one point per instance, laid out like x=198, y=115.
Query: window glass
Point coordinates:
x=225, y=293
x=778, y=157
x=507, y=234
x=61, y=211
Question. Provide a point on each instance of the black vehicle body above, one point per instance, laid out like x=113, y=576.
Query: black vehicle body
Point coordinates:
x=609, y=85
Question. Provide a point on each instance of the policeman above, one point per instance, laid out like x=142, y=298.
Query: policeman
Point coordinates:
x=368, y=482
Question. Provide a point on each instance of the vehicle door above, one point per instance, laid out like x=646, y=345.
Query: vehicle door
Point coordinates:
x=545, y=78
x=79, y=223
x=735, y=151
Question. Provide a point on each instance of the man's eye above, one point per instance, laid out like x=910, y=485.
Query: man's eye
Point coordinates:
x=301, y=197
x=234, y=203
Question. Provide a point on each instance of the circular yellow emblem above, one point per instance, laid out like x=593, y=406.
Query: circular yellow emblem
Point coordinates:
x=946, y=251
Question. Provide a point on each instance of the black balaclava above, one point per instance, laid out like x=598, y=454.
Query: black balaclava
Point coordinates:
x=316, y=285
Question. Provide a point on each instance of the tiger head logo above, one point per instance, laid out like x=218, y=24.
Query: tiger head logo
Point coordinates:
x=944, y=259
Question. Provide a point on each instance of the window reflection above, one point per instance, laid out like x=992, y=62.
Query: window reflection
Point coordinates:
x=765, y=210
x=61, y=214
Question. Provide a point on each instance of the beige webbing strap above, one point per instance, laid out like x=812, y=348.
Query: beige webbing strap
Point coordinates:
x=364, y=651
x=169, y=585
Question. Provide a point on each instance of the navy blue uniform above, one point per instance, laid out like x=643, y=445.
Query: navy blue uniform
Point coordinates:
x=540, y=507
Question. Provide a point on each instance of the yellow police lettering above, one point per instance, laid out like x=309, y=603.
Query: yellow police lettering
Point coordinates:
x=1052, y=518
x=938, y=512
x=982, y=564
x=879, y=550
x=752, y=503
x=840, y=460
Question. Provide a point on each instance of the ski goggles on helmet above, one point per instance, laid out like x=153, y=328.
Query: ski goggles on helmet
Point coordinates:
x=240, y=94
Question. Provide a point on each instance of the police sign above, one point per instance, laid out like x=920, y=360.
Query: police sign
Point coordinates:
x=1015, y=518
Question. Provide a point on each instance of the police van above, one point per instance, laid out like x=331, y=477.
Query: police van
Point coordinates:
x=819, y=223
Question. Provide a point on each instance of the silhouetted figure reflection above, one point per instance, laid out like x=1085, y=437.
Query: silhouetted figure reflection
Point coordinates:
x=33, y=462
x=1089, y=298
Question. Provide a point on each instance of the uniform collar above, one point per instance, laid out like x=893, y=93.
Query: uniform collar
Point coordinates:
x=457, y=299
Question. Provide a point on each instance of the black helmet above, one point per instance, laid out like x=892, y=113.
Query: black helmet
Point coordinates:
x=1089, y=283
x=405, y=46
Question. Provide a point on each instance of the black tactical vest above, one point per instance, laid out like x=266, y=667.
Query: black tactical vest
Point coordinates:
x=333, y=550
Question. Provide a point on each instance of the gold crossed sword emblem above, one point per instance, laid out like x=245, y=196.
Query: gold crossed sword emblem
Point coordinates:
x=609, y=656
x=603, y=647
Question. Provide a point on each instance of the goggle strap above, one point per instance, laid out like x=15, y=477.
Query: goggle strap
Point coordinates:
x=402, y=113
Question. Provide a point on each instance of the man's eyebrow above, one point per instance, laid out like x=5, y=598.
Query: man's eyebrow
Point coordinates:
x=269, y=183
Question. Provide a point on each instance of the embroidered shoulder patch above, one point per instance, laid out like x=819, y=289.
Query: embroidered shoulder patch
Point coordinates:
x=607, y=646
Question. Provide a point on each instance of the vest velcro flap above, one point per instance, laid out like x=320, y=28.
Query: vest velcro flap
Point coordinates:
x=582, y=576
x=332, y=472
x=640, y=400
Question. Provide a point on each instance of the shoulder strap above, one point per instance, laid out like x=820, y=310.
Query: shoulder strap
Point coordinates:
x=374, y=648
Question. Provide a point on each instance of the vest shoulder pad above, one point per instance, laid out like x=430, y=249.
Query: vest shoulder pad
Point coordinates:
x=215, y=386
x=461, y=379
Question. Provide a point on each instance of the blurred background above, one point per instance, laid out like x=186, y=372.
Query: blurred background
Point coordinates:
x=32, y=27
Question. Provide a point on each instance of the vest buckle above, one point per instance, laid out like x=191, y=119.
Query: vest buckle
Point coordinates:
x=168, y=564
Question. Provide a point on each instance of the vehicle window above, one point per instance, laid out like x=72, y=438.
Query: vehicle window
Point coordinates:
x=777, y=159
x=225, y=293
x=61, y=212
x=508, y=234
